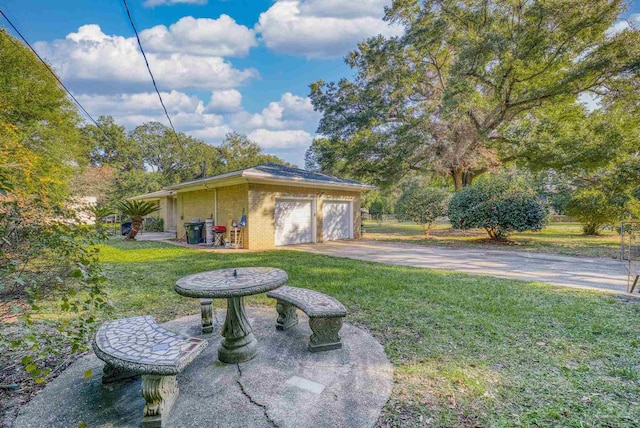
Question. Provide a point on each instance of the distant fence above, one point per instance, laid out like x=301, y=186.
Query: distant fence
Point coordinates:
x=379, y=217
x=630, y=252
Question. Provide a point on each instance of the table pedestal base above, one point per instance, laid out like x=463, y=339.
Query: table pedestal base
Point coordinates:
x=239, y=344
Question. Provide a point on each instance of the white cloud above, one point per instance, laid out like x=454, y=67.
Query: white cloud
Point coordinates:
x=290, y=138
x=154, y=3
x=186, y=112
x=89, y=55
x=343, y=8
x=317, y=29
x=290, y=112
x=202, y=36
x=633, y=21
x=225, y=101
x=212, y=133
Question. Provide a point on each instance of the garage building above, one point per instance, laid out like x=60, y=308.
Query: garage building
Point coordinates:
x=282, y=205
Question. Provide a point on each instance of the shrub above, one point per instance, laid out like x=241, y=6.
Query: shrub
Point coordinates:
x=154, y=224
x=498, y=204
x=594, y=209
x=422, y=205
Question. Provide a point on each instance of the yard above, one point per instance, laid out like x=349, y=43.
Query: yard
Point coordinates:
x=468, y=351
x=556, y=238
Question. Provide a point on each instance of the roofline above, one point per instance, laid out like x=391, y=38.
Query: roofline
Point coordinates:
x=205, y=180
x=303, y=182
x=153, y=195
x=245, y=176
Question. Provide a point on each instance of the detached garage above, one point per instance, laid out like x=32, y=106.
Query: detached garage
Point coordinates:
x=282, y=205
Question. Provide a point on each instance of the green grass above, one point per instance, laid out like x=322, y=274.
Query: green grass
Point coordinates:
x=555, y=238
x=467, y=350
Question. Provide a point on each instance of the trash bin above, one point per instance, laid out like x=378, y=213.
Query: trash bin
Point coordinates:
x=125, y=228
x=194, y=232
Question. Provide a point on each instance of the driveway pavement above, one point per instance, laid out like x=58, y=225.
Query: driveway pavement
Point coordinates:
x=580, y=272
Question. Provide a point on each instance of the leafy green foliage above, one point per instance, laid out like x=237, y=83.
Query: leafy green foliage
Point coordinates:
x=38, y=134
x=442, y=96
x=44, y=250
x=500, y=205
x=594, y=209
x=422, y=205
x=238, y=152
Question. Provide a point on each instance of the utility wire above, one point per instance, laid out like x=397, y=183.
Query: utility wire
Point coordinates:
x=135, y=30
x=51, y=71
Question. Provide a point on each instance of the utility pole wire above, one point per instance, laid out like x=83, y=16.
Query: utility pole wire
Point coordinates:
x=52, y=72
x=135, y=30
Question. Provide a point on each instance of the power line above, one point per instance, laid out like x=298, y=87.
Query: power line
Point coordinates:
x=135, y=30
x=52, y=72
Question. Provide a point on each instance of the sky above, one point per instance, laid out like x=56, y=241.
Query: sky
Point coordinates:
x=221, y=65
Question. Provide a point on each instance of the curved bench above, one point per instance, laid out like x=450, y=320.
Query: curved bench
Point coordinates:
x=325, y=315
x=139, y=346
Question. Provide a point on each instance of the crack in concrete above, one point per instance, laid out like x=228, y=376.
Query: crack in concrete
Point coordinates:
x=246, y=394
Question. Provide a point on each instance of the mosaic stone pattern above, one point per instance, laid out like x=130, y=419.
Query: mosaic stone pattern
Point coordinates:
x=141, y=346
x=313, y=303
x=224, y=283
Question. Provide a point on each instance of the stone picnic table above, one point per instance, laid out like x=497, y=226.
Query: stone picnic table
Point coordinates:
x=239, y=344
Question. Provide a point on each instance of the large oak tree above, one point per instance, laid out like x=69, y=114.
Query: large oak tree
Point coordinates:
x=441, y=97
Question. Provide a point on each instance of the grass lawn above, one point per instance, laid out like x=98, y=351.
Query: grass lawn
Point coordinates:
x=468, y=351
x=556, y=238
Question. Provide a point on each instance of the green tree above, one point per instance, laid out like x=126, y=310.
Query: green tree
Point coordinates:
x=498, y=204
x=43, y=248
x=39, y=140
x=110, y=146
x=422, y=205
x=442, y=96
x=595, y=209
x=239, y=152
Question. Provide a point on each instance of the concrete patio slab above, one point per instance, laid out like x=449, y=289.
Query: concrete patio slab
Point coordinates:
x=580, y=272
x=284, y=386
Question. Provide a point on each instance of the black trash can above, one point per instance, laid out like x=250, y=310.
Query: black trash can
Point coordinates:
x=194, y=232
x=125, y=228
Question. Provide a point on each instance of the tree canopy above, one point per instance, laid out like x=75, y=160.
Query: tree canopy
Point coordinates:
x=442, y=97
x=38, y=126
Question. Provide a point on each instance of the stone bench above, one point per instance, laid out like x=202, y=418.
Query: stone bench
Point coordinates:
x=325, y=315
x=139, y=346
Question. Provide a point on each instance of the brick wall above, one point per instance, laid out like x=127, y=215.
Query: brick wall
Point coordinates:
x=262, y=202
x=232, y=202
x=196, y=204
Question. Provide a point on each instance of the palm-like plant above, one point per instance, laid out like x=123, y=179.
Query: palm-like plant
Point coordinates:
x=137, y=210
x=100, y=212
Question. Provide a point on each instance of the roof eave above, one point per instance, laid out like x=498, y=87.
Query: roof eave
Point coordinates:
x=258, y=179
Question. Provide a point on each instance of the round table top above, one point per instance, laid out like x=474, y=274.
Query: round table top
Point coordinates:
x=232, y=282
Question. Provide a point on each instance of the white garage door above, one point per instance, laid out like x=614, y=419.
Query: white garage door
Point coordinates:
x=293, y=220
x=336, y=220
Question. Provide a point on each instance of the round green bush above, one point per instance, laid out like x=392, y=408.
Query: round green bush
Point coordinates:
x=500, y=205
x=422, y=205
x=594, y=209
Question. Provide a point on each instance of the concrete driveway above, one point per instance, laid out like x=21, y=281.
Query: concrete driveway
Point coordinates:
x=580, y=272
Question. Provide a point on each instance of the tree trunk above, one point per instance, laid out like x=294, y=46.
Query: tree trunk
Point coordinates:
x=136, y=225
x=467, y=178
x=590, y=229
x=457, y=175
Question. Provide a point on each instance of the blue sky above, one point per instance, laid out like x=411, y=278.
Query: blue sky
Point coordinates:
x=242, y=65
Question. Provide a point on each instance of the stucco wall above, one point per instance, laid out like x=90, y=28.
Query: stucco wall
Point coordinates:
x=262, y=203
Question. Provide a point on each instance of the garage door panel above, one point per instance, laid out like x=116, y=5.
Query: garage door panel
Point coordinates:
x=336, y=220
x=293, y=222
